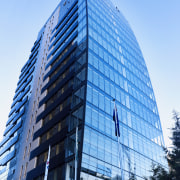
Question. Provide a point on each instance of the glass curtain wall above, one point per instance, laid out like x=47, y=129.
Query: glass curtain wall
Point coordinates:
x=117, y=70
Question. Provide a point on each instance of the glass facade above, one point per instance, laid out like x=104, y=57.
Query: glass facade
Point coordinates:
x=88, y=56
x=64, y=100
x=13, y=135
x=117, y=70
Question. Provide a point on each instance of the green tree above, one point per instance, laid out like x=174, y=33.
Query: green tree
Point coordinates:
x=159, y=173
x=132, y=177
x=172, y=156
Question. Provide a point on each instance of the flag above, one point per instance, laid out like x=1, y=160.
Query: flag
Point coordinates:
x=116, y=120
x=76, y=154
x=47, y=164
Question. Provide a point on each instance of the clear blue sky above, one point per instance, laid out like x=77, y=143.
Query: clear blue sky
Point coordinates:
x=156, y=26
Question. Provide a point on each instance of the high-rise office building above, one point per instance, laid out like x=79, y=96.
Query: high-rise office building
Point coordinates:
x=85, y=56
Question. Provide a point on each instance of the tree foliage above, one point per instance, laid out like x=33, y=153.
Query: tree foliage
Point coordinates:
x=159, y=173
x=132, y=177
x=172, y=156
